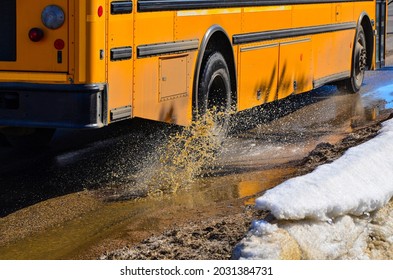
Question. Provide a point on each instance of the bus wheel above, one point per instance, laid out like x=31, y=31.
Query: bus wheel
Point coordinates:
x=359, y=63
x=214, y=90
x=29, y=138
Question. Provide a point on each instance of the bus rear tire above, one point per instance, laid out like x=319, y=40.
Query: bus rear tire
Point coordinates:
x=359, y=63
x=214, y=89
x=29, y=138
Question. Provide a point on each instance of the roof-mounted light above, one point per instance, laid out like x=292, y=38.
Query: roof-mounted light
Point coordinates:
x=53, y=17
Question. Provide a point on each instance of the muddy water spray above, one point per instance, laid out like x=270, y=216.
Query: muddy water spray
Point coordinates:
x=184, y=155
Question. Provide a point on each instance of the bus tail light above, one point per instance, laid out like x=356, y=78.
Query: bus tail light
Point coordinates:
x=59, y=44
x=36, y=34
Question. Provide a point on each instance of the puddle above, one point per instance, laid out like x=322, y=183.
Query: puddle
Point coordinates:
x=138, y=219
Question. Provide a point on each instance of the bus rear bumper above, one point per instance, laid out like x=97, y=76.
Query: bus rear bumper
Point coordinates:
x=52, y=105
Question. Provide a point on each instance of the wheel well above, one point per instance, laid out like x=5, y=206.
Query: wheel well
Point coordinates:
x=217, y=41
x=369, y=33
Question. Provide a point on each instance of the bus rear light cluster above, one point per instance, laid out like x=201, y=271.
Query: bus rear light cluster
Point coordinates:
x=36, y=34
x=52, y=17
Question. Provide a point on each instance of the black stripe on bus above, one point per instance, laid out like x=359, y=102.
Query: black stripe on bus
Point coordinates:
x=288, y=33
x=175, y=5
x=121, y=7
x=122, y=53
x=166, y=48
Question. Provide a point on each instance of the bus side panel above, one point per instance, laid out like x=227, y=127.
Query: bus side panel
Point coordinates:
x=312, y=15
x=163, y=88
x=333, y=54
x=257, y=19
x=119, y=64
x=95, y=43
x=295, y=67
x=258, y=74
x=258, y=67
x=194, y=24
x=159, y=72
x=344, y=12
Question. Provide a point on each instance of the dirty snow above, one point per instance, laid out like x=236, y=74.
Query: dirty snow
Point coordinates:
x=356, y=183
x=339, y=211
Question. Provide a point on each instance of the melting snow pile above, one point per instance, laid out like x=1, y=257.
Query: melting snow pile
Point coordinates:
x=339, y=211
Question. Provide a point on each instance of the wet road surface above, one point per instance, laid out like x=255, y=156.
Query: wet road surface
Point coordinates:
x=87, y=193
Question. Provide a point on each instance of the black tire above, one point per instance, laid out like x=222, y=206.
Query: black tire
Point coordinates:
x=214, y=88
x=359, y=63
x=29, y=138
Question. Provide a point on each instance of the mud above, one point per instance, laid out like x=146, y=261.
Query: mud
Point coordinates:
x=215, y=238
x=208, y=239
x=326, y=152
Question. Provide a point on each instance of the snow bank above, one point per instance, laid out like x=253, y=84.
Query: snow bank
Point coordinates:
x=346, y=238
x=359, y=182
x=339, y=211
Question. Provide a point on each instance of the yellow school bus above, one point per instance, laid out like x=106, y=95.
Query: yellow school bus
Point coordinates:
x=89, y=63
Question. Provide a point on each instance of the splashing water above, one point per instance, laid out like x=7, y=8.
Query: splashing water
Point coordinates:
x=186, y=153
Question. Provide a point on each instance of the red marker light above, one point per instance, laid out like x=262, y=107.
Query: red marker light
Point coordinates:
x=59, y=44
x=100, y=11
x=36, y=34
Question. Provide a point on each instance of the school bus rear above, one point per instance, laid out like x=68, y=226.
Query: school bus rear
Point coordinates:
x=43, y=65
